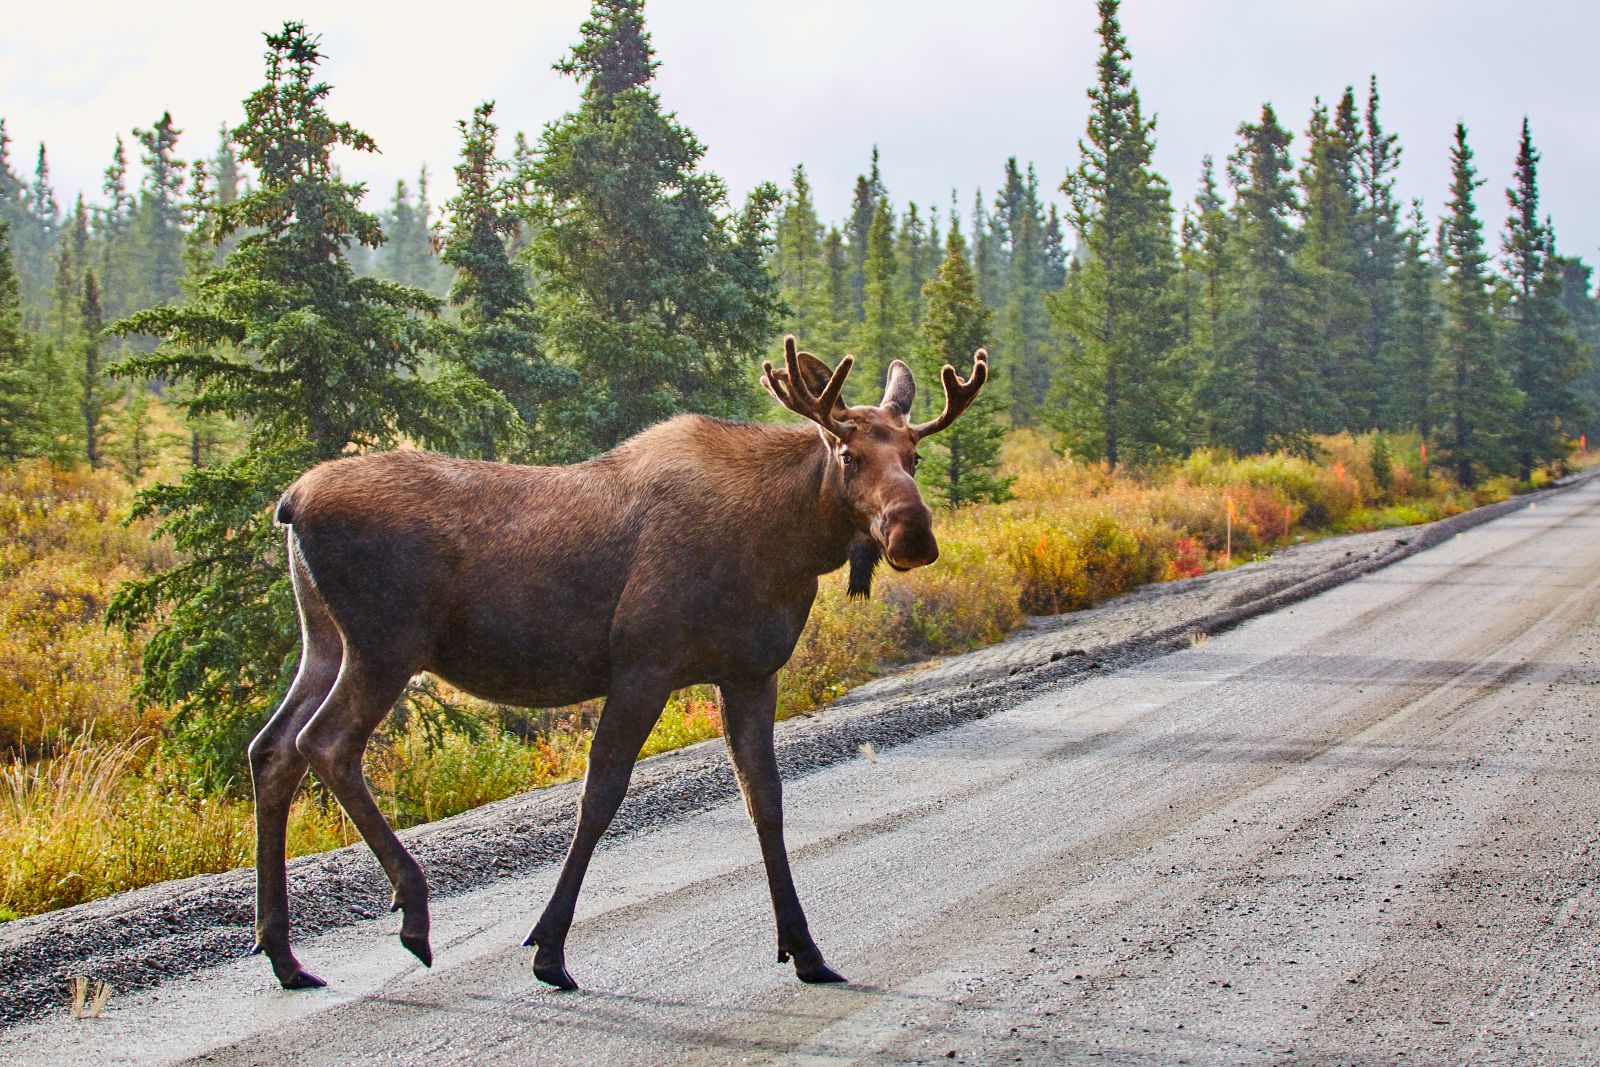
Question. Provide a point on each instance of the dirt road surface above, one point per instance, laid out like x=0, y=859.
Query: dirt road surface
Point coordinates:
x=1359, y=829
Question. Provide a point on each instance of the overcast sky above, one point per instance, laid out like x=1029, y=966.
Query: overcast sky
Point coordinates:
x=946, y=90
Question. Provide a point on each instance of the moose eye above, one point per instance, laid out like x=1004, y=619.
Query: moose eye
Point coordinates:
x=916, y=460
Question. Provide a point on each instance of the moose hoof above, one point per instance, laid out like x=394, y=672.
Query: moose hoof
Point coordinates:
x=551, y=969
x=819, y=974
x=809, y=966
x=302, y=979
x=417, y=944
x=555, y=975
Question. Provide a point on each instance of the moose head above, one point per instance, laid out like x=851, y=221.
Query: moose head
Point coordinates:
x=873, y=451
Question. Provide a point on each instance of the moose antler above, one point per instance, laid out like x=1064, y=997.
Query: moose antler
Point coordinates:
x=958, y=394
x=788, y=384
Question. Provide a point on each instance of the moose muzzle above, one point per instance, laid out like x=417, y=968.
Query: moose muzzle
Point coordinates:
x=906, y=533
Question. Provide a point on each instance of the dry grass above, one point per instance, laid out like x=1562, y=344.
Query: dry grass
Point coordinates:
x=90, y=804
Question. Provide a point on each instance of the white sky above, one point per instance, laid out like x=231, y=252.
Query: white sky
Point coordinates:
x=947, y=90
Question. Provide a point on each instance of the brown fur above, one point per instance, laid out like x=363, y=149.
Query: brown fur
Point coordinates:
x=689, y=554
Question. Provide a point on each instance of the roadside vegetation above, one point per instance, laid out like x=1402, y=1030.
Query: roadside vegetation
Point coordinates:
x=92, y=801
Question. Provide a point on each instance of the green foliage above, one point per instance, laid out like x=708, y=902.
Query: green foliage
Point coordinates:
x=1262, y=392
x=17, y=409
x=1476, y=397
x=1024, y=325
x=1539, y=345
x=802, y=270
x=885, y=331
x=1411, y=350
x=158, y=241
x=497, y=340
x=1382, y=252
x=1122, y=392
x=960, y=463
x=318, y=360
x=1329, y=256
x=657, y=298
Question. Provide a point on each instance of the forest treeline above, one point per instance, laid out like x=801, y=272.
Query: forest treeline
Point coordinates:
x=239, y=308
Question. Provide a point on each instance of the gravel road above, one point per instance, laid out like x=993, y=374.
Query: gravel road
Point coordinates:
x=1358, y=827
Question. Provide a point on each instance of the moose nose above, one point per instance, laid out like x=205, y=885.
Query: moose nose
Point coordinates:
x=909, y=540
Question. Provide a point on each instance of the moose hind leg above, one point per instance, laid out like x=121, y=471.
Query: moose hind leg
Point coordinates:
x=747, y=724
x=333, y=742
x=276, y=770
x=625, y=724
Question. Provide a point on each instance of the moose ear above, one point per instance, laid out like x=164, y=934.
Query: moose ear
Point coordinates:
x=900, y=389
x=814, y=372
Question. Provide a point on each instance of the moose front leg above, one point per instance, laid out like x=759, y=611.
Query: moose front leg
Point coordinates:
x=625, y=723
x=748, y=711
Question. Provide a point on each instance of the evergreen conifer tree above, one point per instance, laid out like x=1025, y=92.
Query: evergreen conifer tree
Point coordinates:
x=885, y=331
x=911, y=254
x=658, y=298
x=1541, y=350
x=1329, y=260
x=1411, y=350
x=869, y=193
x=1476, y=399
x=112, y=226
x=497, y=339
x=96, y=389
x=841, y=319
x=1122, y=389
x=1024, y=324
x=800, y=266
x=1379, y=240
x=318, y=360
x=16, y=383
x=1261, y=392
x=1583, y=309
x=959, y=465
x=158, y=215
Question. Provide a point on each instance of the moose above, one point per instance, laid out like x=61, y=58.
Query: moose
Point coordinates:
x=687, y=555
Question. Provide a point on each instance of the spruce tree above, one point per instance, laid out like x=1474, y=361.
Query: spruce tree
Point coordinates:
x=96, y=389
x=497, y=340
x=112, y=226
x=800, y=266
x=959, y=465
x=16, y=383
x=1055, y=253
x=885, y=331
x=1476, y=399
x=1379, y=240
x=318, y=360
x=649, y=288
x=1583, y=309
x=986, y=255
x=911, y=255
x=1329, y=260
x=1024, y=330
x=1411, y=349
x=1540, y=348
x=841, y=319
x=158, y=215
x=869, y=193
x=1122, y=390
x=1261, y=393
x=228, y=181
